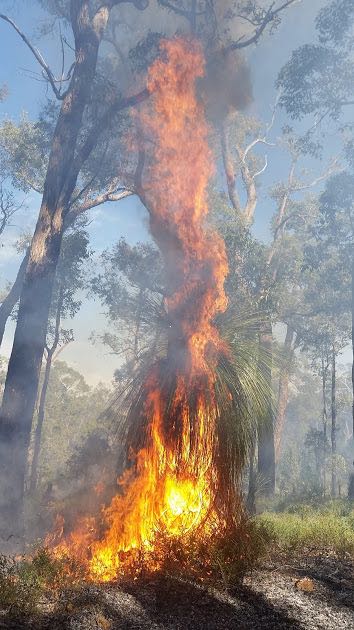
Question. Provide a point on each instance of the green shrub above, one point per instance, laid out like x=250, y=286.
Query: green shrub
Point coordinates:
x=25, y=582
x=220, y=561
x=330, y=527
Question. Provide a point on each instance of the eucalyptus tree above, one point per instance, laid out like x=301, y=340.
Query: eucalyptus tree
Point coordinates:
x=287, y=281
x=131, y=288
x=276, y=290
x=335, y=233
x=89, y=103
x=70, y=279
x=324, y=323
x=24, y=150
x=69, y=151
x=323, y=340
x=328, y=255
x=9, y=206
x=319, y=79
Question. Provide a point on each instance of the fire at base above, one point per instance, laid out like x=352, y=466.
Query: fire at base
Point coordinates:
x=171, y=486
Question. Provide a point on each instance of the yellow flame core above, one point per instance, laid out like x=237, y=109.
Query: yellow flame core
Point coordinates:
x=170, y=491
x=164, y=496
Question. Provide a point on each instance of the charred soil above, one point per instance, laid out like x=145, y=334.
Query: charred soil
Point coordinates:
x=275, y=596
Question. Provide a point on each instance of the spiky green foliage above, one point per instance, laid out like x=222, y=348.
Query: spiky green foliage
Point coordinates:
x=248, y=358
x=241, y=392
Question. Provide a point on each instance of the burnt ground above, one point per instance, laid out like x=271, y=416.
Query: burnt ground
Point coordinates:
x=270, y=598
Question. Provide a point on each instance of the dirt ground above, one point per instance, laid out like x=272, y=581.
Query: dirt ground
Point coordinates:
x=270, y=598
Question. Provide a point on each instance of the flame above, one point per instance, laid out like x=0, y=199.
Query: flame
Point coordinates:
x=171, y=486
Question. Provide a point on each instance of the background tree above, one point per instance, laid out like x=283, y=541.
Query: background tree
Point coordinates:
x=82, y=122
x=67, y=156
x=70, y=279
x=131, y=287
x=275, y=287
x=318, y=79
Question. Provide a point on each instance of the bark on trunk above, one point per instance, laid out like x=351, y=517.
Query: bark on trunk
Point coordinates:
x=193, y=18
x=333, y=427
x=229, y=167
x=251, y=496
x=22, y=379
x=266, y=451
x=43, y=396
x=324, y=401
x=283, y=391
x=21, y=389
x=325, y=366
x=13, y=296
x=352, y=309
x=351, y=477
x=39, y=427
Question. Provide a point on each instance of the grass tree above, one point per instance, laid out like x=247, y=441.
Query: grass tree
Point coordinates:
x=89, y=103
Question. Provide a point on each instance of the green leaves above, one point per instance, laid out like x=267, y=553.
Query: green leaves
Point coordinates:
x=335, y=21
x=24, y=151
x=319, y=78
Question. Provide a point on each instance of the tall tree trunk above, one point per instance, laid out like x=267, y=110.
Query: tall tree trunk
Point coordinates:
x=40, y=421
x=21, y=387
x=13, y=296
x=229, y=166
x=22, y=379
x=324, y=401
x=266, y=450
x=43, y=396
x=333, y=427
x=283, y=391
x=193, y=17
x=351, y=477
x=324, y=367
x=251, y=496
x=352, y=309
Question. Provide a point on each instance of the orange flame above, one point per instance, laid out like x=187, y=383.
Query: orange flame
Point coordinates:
x=171, y=487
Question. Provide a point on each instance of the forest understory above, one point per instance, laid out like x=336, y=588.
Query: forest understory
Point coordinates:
x=314, y=592
x=177, y=314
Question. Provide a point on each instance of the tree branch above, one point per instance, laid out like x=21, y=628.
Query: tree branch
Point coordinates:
x=229, y=168
x=257, y=173
x=171, y=7
x=269, y=16
x=248, y=177
x=263, y=139
x=333, y=168
x=141, y=5
x=95, y=132
x=52, y=80
x=282, y=220
x=117, y=195
x=281, y=212
x=13, y=296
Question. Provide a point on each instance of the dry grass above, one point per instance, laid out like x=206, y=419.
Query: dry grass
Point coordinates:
x=326, y=527
x=25, y=582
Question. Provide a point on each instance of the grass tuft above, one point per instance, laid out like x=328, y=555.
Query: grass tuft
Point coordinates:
x=328, y=527
x=26, y=582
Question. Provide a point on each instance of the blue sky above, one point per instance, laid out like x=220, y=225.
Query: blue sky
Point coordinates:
x=128, y=218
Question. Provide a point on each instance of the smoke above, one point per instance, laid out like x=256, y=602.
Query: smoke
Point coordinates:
x=228, y=85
